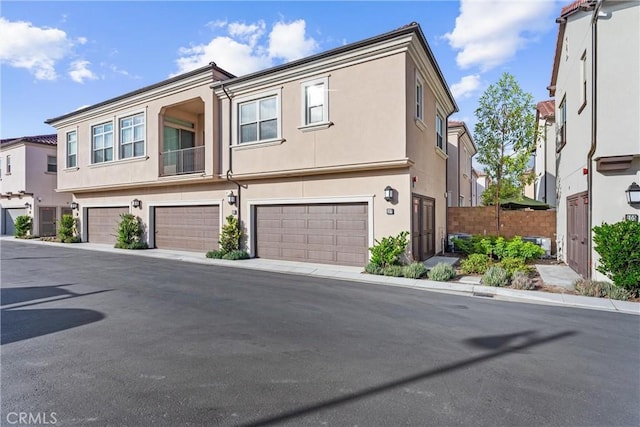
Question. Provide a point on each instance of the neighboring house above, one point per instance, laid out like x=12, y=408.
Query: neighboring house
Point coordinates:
x=597, y=98
x=483, y=184
x=545, y=154
x=475, y=188
x=461, y=150
x=529, y=190
x=305, y=154
x=28, y=170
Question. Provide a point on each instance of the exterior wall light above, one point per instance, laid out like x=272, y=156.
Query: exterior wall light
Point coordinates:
x=27, y=205
x=388, y=193
x=136, y=203
x=231, y=198
x=633, y=194
x=74, y=205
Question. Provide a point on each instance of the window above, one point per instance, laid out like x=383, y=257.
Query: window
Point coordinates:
x=52, y=164
x=8, y=166
x=72, y=149
x=132, y=136
x=419, y=98
x=461, y=200
x=562, y=131
x=314, y=96
x=178, y=134
x=258, y=120
x=439, y=132
x=583, y=75
x=102, y=143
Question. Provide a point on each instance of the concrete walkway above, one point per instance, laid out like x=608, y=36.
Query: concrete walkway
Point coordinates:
x=558, y=275
x=356, y=274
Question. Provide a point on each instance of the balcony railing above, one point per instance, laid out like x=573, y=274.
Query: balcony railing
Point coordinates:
x=179, y=162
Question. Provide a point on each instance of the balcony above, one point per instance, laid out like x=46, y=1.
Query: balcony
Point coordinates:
x=181, y=162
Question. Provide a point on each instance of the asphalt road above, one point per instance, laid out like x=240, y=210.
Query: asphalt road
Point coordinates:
x=92, y=338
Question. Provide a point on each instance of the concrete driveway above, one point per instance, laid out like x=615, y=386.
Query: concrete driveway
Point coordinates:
x=93, y=338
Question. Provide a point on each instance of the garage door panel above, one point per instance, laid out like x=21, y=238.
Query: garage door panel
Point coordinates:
x=102, y=224
x=323, y=233
x=188, y=228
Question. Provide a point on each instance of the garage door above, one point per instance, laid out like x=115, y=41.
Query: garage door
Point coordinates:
x=187, y=228
x=102, y=224
x=323, y=233
x=10, y=216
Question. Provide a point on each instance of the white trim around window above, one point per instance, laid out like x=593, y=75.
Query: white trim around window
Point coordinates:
x=314, y=104
x=419, y=98
x=132, y=135
x=257, y=119
x=440, y=132
x=102, y=142
x=71, y=149
x=113, y=130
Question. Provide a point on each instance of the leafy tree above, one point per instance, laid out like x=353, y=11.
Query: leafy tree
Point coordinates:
x=504, y=135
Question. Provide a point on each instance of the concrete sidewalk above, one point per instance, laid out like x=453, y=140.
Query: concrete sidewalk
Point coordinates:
x=356, y=274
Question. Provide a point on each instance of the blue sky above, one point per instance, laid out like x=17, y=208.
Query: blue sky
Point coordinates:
x=57, y=57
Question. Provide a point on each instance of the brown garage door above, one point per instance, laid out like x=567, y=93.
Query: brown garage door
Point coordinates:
x=187, y=228
x=323, y=233
x=102, y=224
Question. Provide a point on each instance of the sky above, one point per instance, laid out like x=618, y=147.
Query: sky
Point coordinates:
x=57, y=57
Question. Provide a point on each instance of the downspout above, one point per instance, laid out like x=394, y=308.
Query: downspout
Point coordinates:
x=229, y=174
x=594, y=129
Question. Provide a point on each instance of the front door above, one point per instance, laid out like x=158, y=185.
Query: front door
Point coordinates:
x=47, y=221
x=423, y=241
x=578, y=233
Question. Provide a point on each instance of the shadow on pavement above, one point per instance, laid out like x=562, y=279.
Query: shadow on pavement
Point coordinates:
x=15, y=295
x=500, y=343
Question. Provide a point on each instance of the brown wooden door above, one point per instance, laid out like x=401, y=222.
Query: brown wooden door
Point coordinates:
x=578, y=233
x=47, y=221
x=423, y=241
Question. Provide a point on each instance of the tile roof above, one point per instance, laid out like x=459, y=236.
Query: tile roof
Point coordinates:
x=454, y=123
x=546, y=108
x=50, y=139
x=567, y=10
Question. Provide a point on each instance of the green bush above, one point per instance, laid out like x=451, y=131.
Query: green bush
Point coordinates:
x=231, y=235
x=236, y=255
x=67, y=229
x=478, y=244
x=601, y=289
x=388, y=251
x=514, y=264
x=22, y=226
x=415, y=270
x=72, y=239
x=393, y=270
x=372, y=268
x=619, y=248
x=475, y=264
x=442, y=272
x=130, y=232
x=495, y=276
x=521, y=280
x=217, y=254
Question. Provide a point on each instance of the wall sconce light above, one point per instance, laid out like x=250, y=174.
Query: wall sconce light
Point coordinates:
x=74, y=205
x=136, y=203
x=231, y=198
x=633, y=194
x=27, y=205
x=388, y=193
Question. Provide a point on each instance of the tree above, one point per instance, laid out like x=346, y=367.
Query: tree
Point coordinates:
x=504, y=135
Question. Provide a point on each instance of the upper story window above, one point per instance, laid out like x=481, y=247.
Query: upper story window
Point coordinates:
x=72, y=149
x=419, y=98
x=8, y=166
x=439, y=132
x=562, y=131
x=132, y=136
x=583, y=76
x=52, y=164
x=102, y=143
x=258, y=120
x=315, y=103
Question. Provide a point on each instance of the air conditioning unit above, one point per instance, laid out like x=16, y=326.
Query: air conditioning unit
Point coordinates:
x=543, y=242
x=452, y=236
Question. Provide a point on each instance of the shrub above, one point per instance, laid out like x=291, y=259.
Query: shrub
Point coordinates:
x=236, y=255
x=514, y=264
x=231, y=235
x=22, y=226
x=521, y=280
x=387, y=252
x=619, y=248
x=72, y=239
x=217, y=254
x=415, y=270
x=476, y=245
x=393, y=270
x=495, y=276
x=442, y=272
x=67, y=228
x=130, y=231
x=600, y=289
x=475, y=264
x=372, y=268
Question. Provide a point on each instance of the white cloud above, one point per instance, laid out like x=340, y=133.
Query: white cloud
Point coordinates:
x=79, y=71
x=33, y=48
x=489, y=33
x=466, y=86
x=243, y=49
